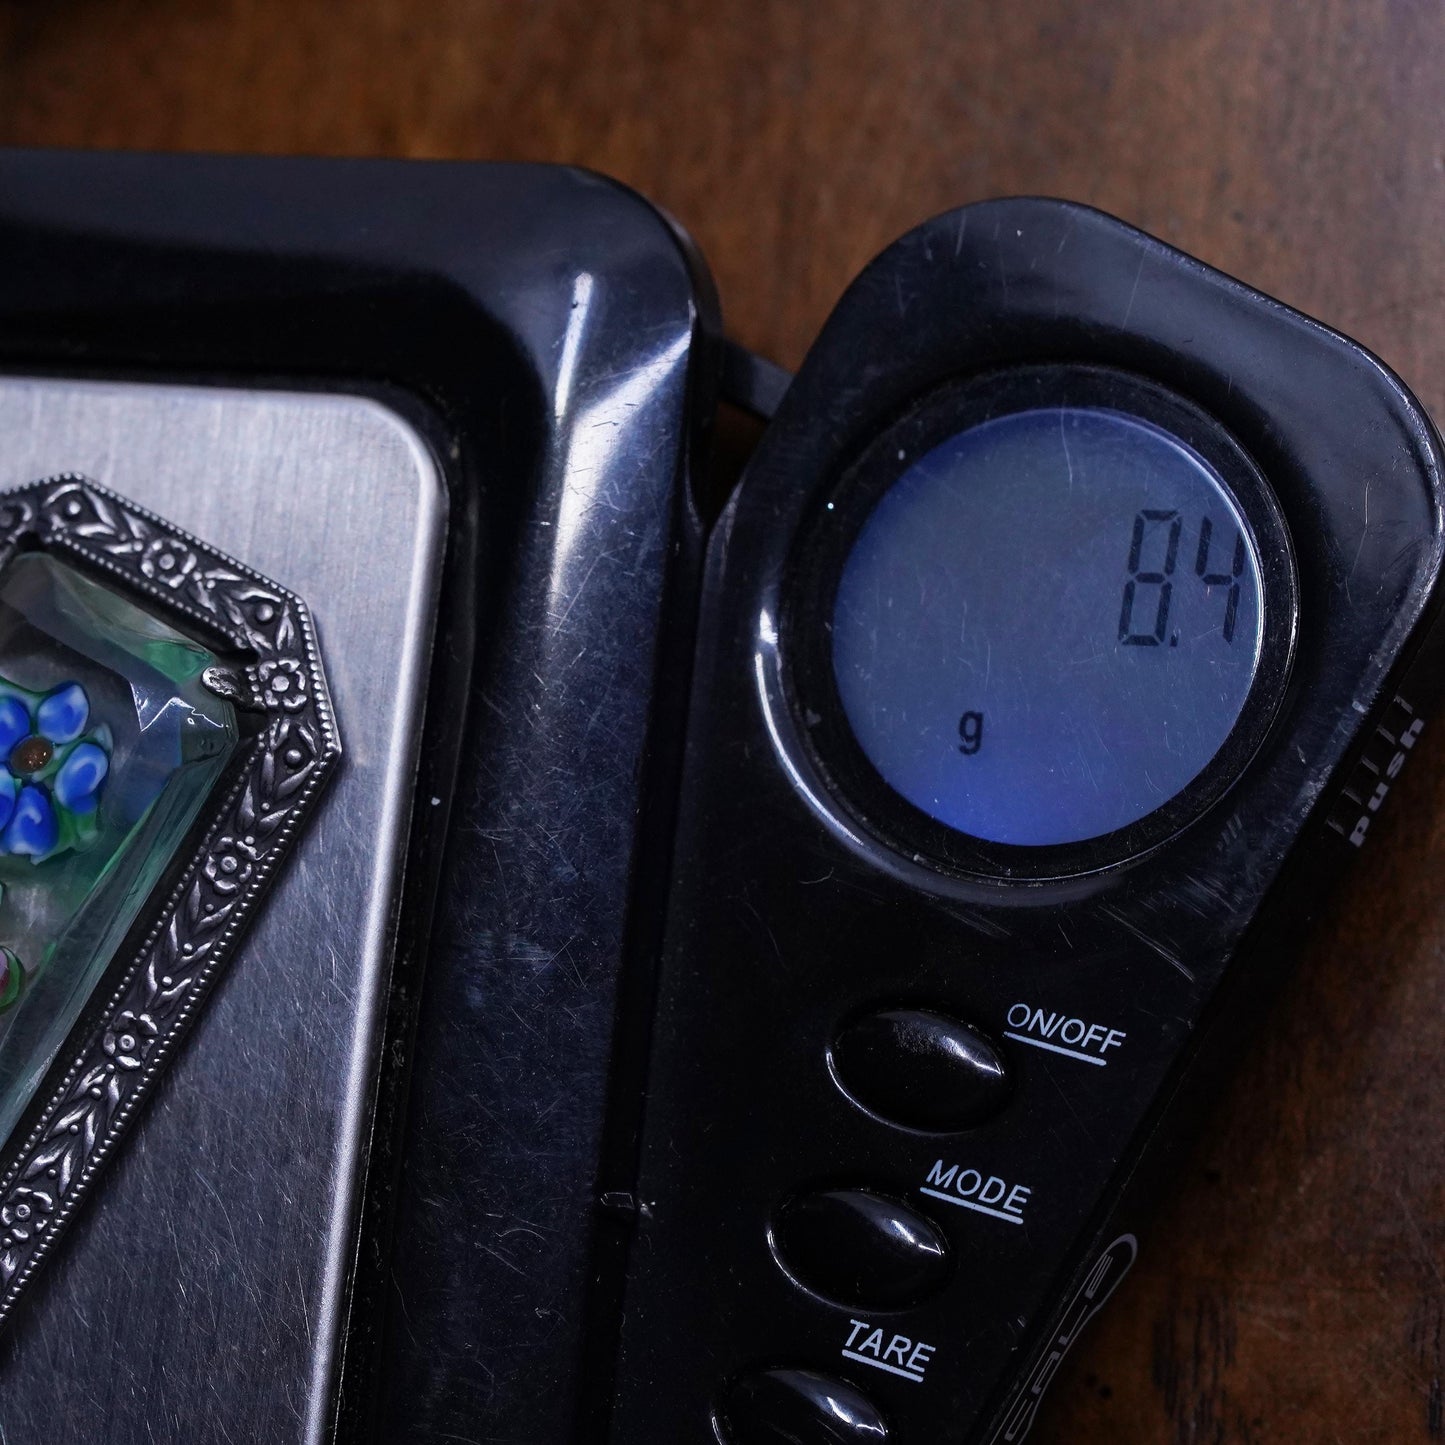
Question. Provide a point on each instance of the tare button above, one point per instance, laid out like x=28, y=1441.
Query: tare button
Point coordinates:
x=799, y=1407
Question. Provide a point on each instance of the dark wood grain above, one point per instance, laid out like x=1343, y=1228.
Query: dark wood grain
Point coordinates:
x=1292, y=1290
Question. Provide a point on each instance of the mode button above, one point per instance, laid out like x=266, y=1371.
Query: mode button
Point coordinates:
x=860, y=1247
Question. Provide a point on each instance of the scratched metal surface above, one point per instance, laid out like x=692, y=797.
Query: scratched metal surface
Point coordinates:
x=196, y=1299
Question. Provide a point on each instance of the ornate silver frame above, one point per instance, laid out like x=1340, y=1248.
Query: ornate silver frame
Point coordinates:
x=194, y=921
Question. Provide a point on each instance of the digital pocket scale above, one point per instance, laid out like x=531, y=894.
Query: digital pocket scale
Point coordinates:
x=749, y=1003
x=1063, y=640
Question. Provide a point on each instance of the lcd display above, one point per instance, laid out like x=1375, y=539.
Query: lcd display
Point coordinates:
x=1048, y=625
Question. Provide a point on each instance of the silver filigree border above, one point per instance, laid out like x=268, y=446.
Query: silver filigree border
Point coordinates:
x=193, y=930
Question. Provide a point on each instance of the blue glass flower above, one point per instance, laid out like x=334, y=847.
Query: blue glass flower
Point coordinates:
x=52, y=770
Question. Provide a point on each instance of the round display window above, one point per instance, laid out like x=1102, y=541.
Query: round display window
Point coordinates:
x=1047, y=623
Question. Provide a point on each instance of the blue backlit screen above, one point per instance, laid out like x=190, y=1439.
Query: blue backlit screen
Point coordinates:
x=1048, y=625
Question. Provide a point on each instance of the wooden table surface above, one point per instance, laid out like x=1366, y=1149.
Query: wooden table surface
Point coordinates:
x=1292, y=1289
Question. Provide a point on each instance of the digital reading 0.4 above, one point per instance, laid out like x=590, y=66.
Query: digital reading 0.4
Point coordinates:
x=1048, y=625
x=1153, y=521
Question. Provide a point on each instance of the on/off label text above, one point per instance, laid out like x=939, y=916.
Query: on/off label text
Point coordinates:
x=1060, y=1033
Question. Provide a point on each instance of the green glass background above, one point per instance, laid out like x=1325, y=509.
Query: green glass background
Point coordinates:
x=172, y=737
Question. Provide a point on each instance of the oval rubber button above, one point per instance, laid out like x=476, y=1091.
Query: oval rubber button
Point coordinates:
x=921, y=1069
x=799, y=1407
x=860, y=1248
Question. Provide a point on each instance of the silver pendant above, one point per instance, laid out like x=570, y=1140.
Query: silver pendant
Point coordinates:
x=165, y=732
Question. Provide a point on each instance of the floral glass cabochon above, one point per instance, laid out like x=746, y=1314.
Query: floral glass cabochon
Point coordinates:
x=165, y=728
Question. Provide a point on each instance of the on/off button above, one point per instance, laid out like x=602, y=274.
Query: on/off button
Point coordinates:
x=920, y=1069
